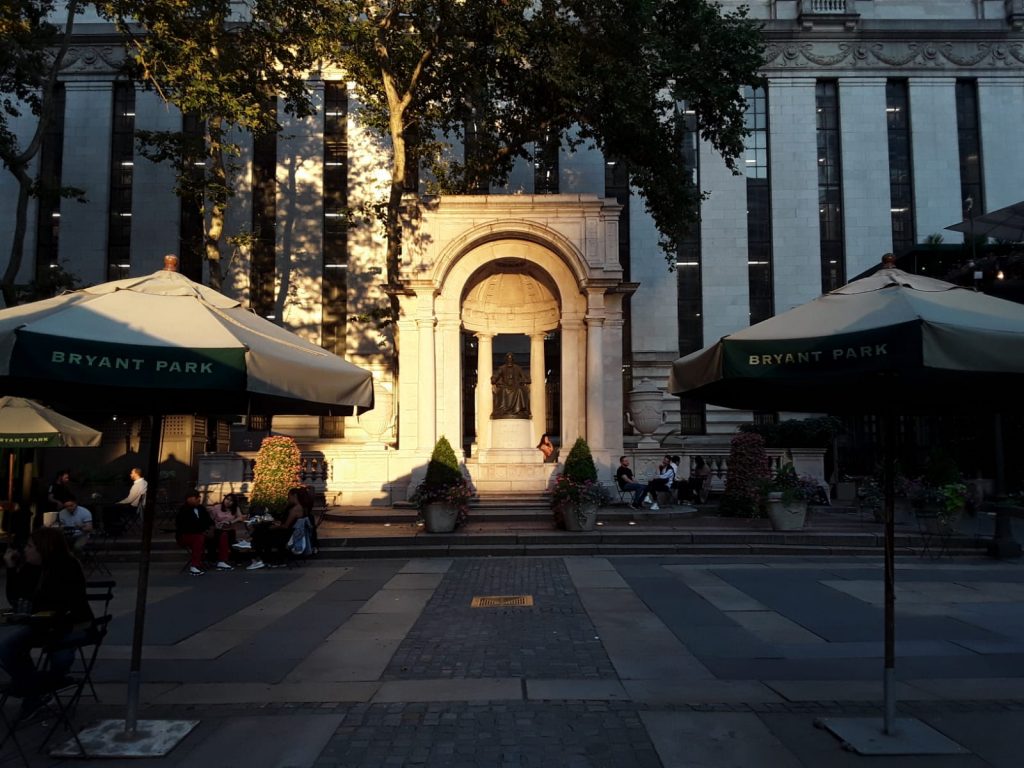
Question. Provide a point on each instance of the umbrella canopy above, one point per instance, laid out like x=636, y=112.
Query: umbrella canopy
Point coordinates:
x=890, y=339
x=1003, y=224
x=27, y=424
x=888, y=343
x=167, y=344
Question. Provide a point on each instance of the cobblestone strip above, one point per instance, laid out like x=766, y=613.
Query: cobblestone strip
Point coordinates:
x=553, y=639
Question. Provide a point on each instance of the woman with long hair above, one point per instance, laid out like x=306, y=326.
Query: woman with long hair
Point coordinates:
x=50, y=585
x=270, y=539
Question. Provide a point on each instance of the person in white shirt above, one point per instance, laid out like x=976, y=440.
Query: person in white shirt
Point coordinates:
x=129, y=508
x=76, y=522
x=663, y=482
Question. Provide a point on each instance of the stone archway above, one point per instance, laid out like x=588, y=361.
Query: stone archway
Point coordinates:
x=559, y=256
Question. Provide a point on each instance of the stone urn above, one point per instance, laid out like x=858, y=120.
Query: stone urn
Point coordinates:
x=439, y=517
x=376, y=422
x=788, y=515
x=646, y=411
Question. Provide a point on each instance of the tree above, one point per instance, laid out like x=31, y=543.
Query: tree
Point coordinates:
x=501, y=77
x=225, y=63
x=31, y=56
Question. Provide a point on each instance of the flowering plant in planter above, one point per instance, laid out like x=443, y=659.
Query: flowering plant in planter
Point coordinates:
x=577, y=486
x=444, y=482
x=790, y=486
x=277, y=471
x=748, y=469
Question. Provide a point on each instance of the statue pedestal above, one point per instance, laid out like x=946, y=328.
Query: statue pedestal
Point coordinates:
x=512, y=443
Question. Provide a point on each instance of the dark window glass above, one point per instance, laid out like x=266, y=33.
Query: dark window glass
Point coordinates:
x=830, y=186
x=969, y=140
x=122, y=166
x=191, y=225
x=692, y=417
x=688, y=255
x=901, y=178
x=334, y=291
x=545, y=165
x=51, y=159
x=759, y=206
x=263, y=267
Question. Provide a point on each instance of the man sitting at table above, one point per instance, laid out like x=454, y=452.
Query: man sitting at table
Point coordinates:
x=76, y=522
x=194, y=527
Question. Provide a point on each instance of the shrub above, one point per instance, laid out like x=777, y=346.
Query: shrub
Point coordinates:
x=444, y=482
x=277, y=471
x=815, y=432
x=578, y=483
x=748, y=469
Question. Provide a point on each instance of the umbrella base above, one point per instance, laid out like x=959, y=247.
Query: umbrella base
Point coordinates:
x=866, y=736
x=107, y=738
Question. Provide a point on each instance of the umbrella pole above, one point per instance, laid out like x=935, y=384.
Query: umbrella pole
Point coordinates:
x=889, y=482
x=153, y=474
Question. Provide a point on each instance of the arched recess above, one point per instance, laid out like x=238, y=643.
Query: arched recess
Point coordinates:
x=456, y=274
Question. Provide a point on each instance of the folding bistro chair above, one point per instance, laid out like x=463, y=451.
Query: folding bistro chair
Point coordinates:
x=933, y=534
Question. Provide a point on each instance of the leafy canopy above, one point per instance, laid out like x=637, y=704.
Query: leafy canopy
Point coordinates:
x=500, y=77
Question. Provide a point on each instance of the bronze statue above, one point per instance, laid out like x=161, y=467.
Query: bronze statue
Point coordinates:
x=511, y=389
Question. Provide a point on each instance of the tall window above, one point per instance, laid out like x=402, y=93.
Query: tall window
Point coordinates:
x=689, y=306
x=51, y=159
x=830, y=187
x=969, y=140
x=688, y=277
x=759, y=207
x=901, y=178
x=190, y=225
x=263, y=268
x=545, y=164
x=122, y=166
x=334, y=298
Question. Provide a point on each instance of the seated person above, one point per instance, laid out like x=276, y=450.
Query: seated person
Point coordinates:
x=130, y=507
x=270, y=539
x=47, y=581
x=663, y=482
x=696, y=488
x=228, y=516
x=625, y=481
x=193, y=528
x=76, y=522
x=547, y=448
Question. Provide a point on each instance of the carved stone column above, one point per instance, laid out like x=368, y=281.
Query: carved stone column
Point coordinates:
x=484, y=399
x=572, y=332
x=426, y=389
x=595, y=383
x=538, y=402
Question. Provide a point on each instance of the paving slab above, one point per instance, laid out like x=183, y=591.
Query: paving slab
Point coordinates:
x=258, y=693
x=490, y=689
x=772, y=627
x=715, y=740
x=700, y=692
x=425, y=565
x=588, y=690
x=845, y=690
x=973, y=688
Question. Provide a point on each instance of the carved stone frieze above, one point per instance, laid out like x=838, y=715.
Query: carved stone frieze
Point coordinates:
x=901, y=55
x=106, y=59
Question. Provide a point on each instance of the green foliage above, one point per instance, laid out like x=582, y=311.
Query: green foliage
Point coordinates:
x=940, y=469
x=501, y=78
x=748, y=469
x=443, y=468
x=579, y=464
x=444, y=482
x=277, y=471
x=226, y=64
x=791, y=486
x=816, y=432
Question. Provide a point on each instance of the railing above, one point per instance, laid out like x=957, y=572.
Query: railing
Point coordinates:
x=826, y=7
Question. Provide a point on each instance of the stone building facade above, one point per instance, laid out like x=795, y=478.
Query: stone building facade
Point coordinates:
x=880, y=118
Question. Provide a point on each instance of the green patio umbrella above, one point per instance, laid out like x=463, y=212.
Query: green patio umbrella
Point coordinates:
x=887, y=344
x=163, y=344
x=28, y=424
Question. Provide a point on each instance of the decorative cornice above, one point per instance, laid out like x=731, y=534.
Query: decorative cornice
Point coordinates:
x=894, y=55
x=94, y=59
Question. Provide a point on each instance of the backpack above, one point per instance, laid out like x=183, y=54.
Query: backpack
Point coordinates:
x=300, y=544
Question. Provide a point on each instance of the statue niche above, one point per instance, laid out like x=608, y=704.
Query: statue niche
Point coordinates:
x=511, y=389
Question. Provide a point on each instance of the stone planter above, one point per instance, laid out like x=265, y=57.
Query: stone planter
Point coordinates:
x=439, y=517
x=583, y=520
x=786, y=516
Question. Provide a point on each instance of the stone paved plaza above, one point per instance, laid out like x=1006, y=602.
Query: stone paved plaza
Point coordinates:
x=619, y=662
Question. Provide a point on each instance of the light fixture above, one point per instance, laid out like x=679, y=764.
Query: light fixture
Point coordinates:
x=999, y=275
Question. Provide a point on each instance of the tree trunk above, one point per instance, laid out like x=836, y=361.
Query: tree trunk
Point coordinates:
x=215, y=229
x=18, y=241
